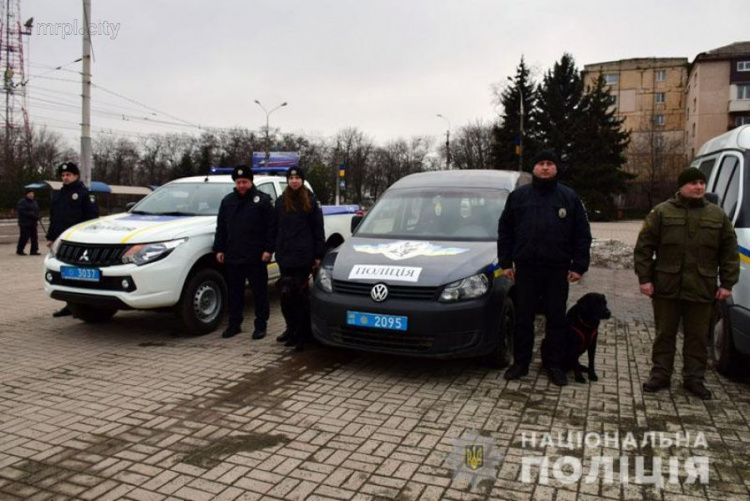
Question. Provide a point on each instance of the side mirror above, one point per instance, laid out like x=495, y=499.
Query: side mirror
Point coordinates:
x=356, y=220
x=129, y=206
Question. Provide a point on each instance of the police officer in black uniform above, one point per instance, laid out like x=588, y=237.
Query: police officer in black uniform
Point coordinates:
x=28, y=217
x=300, y=243
x=71, y=205
x=545, y=233
x=244, y=242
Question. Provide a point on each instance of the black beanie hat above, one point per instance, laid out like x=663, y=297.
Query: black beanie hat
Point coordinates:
x=68, y=167
x=241, y=171
x=296, y=171
x=546, y=155
x=688, y=175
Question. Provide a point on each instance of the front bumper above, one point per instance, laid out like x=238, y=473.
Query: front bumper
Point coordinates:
x=436, y=330
x=155, y=285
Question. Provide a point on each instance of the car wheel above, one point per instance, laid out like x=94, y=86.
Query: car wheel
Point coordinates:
x=503, y=354
x=727, y=360
x=203, y=302
x=91, y=314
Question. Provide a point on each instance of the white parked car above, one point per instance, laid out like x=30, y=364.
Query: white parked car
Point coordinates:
x=158, y=256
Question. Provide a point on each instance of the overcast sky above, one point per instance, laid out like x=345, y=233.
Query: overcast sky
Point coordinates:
x=384, y=66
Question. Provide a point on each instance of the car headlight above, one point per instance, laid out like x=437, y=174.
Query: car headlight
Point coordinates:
x=148, y=253
x=55, y=246
x=324, y=280
x=467, y=288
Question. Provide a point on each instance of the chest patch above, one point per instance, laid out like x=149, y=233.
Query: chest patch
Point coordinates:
x=562, y=213
x=74, y=196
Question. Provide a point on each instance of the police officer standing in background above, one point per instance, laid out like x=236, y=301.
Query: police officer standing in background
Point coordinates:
x=70, y=206
x=684, y=246
x=28, y=217
x=244, y=242
x=299, y=248
x=545, y=233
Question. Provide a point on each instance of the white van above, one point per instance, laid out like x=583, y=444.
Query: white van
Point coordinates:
x=725, y=160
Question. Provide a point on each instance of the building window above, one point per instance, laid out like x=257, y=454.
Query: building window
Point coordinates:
x=660, y=98
x=659, y=120
x=693, y=136
x=743, y=91
x=611, y=78
x=743, y=66
x=661, y=75
x=741, y=121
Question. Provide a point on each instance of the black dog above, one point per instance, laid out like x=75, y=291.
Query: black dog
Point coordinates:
x=583, y=330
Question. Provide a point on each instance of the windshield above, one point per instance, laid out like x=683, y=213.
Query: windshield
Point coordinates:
x=445, y=214
x=184, y=199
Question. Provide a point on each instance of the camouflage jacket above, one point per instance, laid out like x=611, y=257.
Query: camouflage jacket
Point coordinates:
x=683, y=247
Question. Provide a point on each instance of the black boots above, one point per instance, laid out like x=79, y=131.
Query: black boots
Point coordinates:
x=655, y=384
x=698, y=389
x=231, y=331
x=64, y=312
x=516, y=371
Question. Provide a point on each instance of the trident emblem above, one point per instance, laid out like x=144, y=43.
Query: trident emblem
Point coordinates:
x=474, y=456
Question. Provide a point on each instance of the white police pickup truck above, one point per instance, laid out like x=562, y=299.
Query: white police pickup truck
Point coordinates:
x=158, y=256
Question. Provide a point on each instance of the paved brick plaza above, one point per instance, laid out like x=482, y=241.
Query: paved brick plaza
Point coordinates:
x=132, y=410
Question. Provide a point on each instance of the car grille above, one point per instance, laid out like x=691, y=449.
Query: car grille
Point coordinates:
x=394, y=291
x=95, y=255
x=392, y=340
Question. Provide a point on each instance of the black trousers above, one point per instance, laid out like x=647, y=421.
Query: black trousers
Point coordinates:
x=257, y=274
x=295, y=301
x=548, y=288
x=28, y=233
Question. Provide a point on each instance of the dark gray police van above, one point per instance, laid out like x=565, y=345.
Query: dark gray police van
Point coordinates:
x=420, y=274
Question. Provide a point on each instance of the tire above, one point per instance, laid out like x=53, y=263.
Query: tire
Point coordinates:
x=503, y=354
x=91, y=314
x=203, y=302
x=727, y=360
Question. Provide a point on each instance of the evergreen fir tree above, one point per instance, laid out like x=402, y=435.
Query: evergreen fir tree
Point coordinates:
x=506, y=132
x=558, y=113
x=599, y=152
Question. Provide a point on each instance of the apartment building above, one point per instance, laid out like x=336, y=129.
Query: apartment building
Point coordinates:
x=650, y=97
x=718, y=94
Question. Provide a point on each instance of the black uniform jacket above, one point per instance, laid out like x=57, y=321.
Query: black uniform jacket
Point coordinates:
x=301, y=235
x=544, y=224
x=70, y=206
x=28, y=212
x=245, y=227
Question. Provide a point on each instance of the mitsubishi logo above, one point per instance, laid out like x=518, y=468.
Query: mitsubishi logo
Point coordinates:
x=84, y=256
x=379, y=292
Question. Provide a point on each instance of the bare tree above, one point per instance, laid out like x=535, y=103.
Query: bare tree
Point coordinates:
x=355, y=150
x=657, y=158
x=395, y=160
x=471, y=148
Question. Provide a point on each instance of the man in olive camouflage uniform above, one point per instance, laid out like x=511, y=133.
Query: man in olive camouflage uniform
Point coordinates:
x=685, y=246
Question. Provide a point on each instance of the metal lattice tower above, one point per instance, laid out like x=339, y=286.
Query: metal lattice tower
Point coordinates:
x=12, y=31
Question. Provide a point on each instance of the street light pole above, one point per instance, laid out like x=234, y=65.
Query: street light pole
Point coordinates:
x=520, y=127
x=447, y=143
x=268, y=114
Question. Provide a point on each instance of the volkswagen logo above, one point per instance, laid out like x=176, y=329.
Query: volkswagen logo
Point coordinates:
x=84, y=256
x=379, y=292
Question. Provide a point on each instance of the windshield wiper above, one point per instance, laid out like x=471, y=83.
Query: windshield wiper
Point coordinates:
x=141, y=212
x=174, y=213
